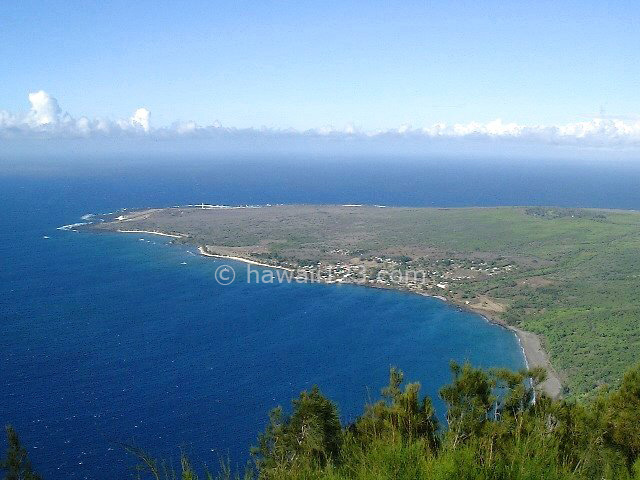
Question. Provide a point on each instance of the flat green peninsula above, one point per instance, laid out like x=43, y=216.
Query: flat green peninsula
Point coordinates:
x=569, y=276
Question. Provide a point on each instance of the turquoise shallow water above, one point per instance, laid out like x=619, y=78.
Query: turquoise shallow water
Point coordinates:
x=109, y=338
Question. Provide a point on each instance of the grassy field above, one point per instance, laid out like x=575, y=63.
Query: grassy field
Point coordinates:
x=574, y=280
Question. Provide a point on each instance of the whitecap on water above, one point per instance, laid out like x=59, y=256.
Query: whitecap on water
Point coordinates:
x=72, y=226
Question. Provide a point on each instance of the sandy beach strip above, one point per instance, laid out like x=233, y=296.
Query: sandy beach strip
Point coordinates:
x=536, y=356
x=534, y=353
x=151, y=233
x=203, y=252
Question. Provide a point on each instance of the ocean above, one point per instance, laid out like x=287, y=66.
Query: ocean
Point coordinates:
x=112, y=339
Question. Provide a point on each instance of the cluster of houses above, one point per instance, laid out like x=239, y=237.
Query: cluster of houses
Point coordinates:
x=418, y=276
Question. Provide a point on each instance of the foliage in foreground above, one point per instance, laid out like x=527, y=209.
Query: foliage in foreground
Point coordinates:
x=16, y=464
x=496, y=428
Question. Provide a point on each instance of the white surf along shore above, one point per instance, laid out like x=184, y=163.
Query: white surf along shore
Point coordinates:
x=204, y=252
x=172, y=235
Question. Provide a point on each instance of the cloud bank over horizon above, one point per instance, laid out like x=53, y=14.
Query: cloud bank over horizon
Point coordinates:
x=46, y=120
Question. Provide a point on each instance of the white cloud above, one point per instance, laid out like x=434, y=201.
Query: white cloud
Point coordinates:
x=141, y=119
x=45, y=119
x=44, y=108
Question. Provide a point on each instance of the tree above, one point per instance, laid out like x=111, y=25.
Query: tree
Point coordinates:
x=312, y=435
x=518, y=388
x=469, y=400
x=17, y=464
x=401, y=415
x=624, y=414
x=412, y=417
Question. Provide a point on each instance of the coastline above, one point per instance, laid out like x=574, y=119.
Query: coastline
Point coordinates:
x=203, y=252
x=531, y=344
x=533, y=352
x=536, y=356
x=151, y=233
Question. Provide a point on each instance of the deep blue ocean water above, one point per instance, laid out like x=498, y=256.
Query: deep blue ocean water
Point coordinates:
x=108, y=338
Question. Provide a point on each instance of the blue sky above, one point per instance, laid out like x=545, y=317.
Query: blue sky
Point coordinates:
x=304, y=65
x=307, y=64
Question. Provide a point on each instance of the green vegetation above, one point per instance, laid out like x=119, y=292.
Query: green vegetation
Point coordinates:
x=495, y=430
x=16, y=464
